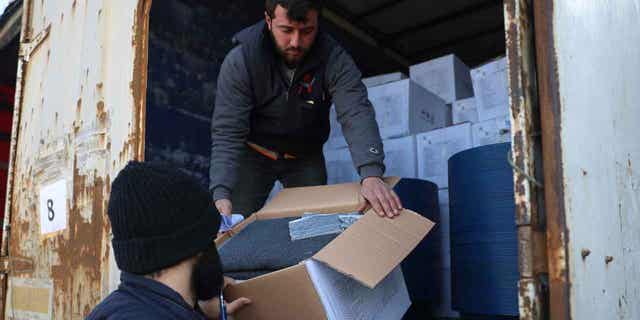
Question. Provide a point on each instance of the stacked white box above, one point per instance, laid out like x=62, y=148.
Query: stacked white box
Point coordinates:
x=436, y=147
x=491, y=131
x=491, y=89
x=404, y=108
x=400, y=157
x=447, y=77
x=340, y=168
x=383, y=79
x=464, y=110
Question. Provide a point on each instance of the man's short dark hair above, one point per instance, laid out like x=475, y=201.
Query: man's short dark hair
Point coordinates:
x=296, y=9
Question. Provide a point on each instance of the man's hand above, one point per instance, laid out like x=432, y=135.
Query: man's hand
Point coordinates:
x=211, y=308
x=224, y=206
x=384, y=201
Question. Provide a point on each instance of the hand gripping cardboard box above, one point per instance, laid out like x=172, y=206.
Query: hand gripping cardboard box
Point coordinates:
x=356, y=276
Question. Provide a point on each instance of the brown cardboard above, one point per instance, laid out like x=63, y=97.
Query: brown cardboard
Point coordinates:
x=374, y=246
x=284, y=294
x=237, y=228
x=367, y=251
x=293, y=202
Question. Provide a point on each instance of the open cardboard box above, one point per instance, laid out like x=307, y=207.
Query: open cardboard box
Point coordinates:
x=356, y=274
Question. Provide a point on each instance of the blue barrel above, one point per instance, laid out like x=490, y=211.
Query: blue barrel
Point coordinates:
x=484, y=246
x=422, y=269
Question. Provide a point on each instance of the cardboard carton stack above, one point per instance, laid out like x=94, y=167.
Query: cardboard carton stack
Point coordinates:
x=447, y=77
x=403, y=109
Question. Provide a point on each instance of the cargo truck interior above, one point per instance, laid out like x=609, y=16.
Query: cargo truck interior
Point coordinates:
x=188, y=40
x=543, y=255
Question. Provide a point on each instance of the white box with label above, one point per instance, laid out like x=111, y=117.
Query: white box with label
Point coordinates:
x=491, y=89
x=491, y=131
x=404, y=108
x=447, y=77
x=400, y=157
x=436, y=147
x=464, y=110
x=340, y=167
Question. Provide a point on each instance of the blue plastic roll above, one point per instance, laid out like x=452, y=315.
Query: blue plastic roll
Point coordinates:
x=422, y=269
x=484, y=246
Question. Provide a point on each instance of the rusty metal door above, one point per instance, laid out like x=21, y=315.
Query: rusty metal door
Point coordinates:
x=526, y=160
x=79, y=117
x=588, y=55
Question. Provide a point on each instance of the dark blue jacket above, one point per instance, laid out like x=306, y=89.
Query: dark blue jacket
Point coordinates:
x=138, y=297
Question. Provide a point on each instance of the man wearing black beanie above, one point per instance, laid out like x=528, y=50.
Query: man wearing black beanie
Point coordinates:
x=163, y=227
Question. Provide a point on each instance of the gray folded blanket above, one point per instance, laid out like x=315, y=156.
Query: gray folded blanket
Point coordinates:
x=265, y=246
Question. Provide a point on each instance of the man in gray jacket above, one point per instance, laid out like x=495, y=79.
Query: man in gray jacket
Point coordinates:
x=271, y=116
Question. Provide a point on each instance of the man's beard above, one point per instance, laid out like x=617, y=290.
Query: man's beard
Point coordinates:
x=207, y=276
x=290, y=62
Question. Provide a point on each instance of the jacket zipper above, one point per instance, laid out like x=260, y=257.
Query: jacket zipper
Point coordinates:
x=290, y=84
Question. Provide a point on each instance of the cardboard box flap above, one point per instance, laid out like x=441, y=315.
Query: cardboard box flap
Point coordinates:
x=322, y=199
x=371, y=248
x=284, y=294
x=292, y=202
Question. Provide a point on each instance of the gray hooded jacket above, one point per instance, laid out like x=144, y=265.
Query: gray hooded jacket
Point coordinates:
x=255, y=101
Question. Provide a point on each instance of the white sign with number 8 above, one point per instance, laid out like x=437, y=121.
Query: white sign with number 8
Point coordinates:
x=53, y=207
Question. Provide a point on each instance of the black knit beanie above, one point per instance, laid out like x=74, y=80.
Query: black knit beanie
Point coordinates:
x=159, y=217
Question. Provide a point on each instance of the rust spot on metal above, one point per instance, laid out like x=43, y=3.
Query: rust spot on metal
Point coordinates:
x=79, y=106
x=102, y=114
x=16, y=265
x=585, y=253
x=551, y=122
x=608, y=259
x=532, y=250
x=139, y=83
x=532, y=299
x=79, y=251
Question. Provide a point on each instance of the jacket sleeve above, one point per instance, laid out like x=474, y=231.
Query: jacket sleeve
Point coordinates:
x=230, y=124
x=355, y=114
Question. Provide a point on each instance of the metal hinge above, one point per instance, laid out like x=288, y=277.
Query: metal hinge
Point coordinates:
x=27, y=48
x=15, y=265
